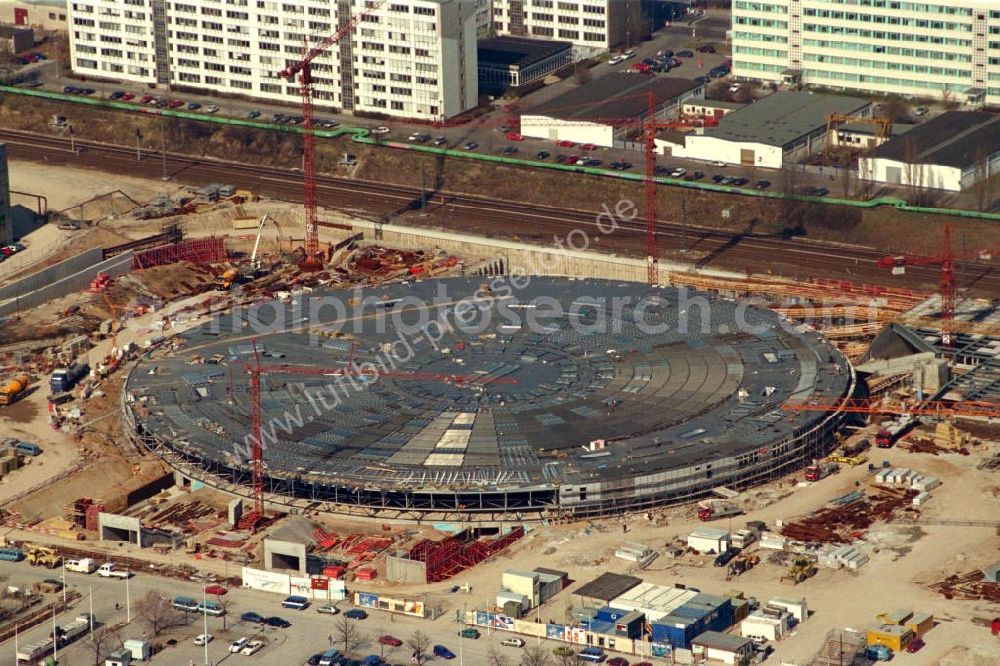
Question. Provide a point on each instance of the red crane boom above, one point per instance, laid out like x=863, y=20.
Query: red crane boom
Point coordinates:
x=250, y=520
x=313, y=261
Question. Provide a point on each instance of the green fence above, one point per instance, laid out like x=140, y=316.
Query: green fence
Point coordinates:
x=364, y=136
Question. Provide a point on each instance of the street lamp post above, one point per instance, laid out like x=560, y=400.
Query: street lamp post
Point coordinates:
x=128, y=601
x=55, y=636
x=204, y=615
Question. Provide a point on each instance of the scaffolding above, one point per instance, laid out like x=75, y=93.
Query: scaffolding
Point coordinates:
x=457, y=553
x=200, y=251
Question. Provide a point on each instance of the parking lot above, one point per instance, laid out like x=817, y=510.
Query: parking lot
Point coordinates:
x=310, y=632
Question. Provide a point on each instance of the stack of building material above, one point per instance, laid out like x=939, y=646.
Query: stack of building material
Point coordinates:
x=772, y=540
x=366, y=573
x=635, y=552
x=949, y=437
x=843, y=556
x=9, y=461
x=921, y=499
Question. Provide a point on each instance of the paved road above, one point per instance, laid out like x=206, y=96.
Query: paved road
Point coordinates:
x=308, y=634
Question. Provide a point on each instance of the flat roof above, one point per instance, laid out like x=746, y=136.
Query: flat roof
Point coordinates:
x=955, y=139
x=550, y=572
x=894, y=629
x=783, y=117
x=709, y=533
x=864, y=128
x=517, y=51
x=720, y=641
x=607, y=586
x=618, y=95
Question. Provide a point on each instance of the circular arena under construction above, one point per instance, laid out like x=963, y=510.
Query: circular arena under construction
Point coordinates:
x=517, y=399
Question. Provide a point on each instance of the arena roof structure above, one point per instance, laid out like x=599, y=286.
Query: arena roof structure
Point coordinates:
x=560, y=396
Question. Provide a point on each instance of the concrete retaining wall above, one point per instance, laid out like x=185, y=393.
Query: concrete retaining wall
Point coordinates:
x=64, y=278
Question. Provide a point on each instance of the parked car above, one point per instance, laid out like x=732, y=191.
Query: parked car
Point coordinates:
x=85, y=91
x=763, y=184
x=314, y=660
x=275, y=621
x=629, y=53
x=621, y=166
x=565, y=144
x=718, y=163
x=356, y=614
x=513, y=642
x=618, y=661
x=250, y=616
x=819, y=191
x=702, y=79
x=542, y=155
x=118, y=94
x=146, y=99
x=920, y=111
x=706, y=48
x=295, y=602
x=443, y=652
x=697, y=175
x=328, y=610
x=193, y=106
x=70, y=90
x=666, y=53
x=678, y=172
x=726, y=556
x=203, y=639
x=126, y=96
x=915, y=645
x=562, y=651
x=238, y=644
x=419, y=137
x=253, y=113
x=509, y=150
x=685, y=54
x=389, y=640
x=717, y=178
x=440, y=141
x=380, y=130
x=591, y=162
x=588, y=146
x=469, y=632
x=253, y=647
x=212, y=108
x=175, y=103
x=739, y=181
x=215, y=589
x=616, y=59
x=470, y=145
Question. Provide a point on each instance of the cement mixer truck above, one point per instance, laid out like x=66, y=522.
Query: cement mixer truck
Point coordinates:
x=13, y=389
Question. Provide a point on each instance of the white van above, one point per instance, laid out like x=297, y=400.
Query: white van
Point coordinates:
x=86, y=565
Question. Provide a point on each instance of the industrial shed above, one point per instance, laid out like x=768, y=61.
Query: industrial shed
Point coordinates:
x=603, y=111
x=728, y=649
x=779, y=128
x=600, y=591
x=953, y=152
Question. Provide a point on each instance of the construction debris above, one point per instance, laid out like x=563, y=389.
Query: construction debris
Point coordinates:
x=969, y=586
x=849, y=516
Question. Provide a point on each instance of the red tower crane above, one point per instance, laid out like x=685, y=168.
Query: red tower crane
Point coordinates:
x=946, y=260
x=302, y=69
x=250, y=520
x=649, y=126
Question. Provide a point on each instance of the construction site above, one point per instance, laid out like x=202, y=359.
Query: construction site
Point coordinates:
x=236, y=392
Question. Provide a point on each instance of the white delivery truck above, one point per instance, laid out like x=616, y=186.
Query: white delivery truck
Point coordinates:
x=86, y=565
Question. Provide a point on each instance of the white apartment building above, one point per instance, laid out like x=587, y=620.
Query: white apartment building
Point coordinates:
x=942, y=48
x=410, y=58
x=592, y=26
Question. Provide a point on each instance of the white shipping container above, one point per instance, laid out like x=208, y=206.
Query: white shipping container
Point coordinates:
x=921, y=499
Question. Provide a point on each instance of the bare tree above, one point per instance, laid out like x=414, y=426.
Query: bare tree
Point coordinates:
x=420, y=646
x=154, y=610
x=100, y=641
x=894, y=108
x=581, y=73
x=347, y=635
x=535, y=655
x=846, y=176
x=494, y=658
x=565, y=659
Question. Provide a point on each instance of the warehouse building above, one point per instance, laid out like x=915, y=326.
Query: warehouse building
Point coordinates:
x=604, y=111
x=516, y=63
x=592, y=26
x=764, y=627
x=945, y=48
x=600, y=591
x=708, y=540
x=38, y=14
x=782, y=127
x=411, y=58
x=953, y=152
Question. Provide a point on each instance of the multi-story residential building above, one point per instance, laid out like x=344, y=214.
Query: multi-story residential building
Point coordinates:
x=591, y=26
x=941, y=48
x=409, y=58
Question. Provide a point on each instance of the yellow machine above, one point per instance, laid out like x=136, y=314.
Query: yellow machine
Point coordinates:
x=14, y=389
x=41, y=556
x=801, y=569
x=229, y=277
x=853, y=461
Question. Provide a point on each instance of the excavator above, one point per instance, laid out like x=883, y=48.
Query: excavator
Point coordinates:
x=41, y=556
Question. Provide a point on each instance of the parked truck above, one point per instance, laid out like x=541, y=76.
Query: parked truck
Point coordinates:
x=891, y=431
x=67, y=633
x=14, y=389
x=717, y=510
x=878, y=653
x=109, y=570
x=63, y=379
x=821, y=471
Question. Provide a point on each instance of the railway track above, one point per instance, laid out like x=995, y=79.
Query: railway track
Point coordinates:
x=796, y=258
